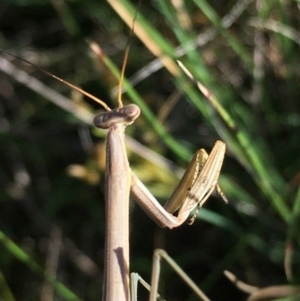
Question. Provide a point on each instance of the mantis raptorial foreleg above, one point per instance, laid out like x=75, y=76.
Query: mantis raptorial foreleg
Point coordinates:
x=196, y=185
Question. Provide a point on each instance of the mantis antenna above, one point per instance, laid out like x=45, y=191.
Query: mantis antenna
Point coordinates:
x=120, y=102
x=101, y=102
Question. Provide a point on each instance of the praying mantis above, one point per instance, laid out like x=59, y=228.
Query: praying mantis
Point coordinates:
x=197, y=184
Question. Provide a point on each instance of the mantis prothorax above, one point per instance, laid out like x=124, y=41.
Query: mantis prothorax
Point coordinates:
x=197, y=184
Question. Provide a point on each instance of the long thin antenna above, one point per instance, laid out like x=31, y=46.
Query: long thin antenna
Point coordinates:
x=105, y=106
x=120, y=102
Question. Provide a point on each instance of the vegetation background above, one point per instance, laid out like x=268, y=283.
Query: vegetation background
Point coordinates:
x=52, y=159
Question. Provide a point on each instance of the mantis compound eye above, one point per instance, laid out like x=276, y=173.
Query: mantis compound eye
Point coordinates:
x=131, y=112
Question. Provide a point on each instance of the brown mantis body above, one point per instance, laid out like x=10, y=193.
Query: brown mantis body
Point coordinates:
x=196, y=186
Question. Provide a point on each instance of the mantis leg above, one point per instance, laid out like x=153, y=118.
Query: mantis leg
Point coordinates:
x=153, y=289
x=197, y=184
